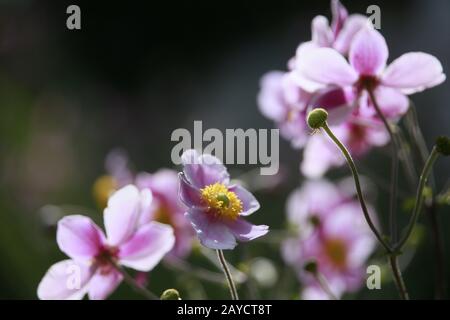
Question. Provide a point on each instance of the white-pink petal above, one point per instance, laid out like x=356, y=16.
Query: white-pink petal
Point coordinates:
x=103, y=284
x=413, y=72
x=122, y=214
x=322, y=35
x=79, y=237
x=317, y=68
x=353, y=24
x=65, y=280
x=147, y=246
x=368, y=52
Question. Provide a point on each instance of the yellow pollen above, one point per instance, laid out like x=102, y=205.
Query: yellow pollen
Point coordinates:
x=221, y=201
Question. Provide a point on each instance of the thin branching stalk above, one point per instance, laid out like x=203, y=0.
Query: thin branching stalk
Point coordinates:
x=396, y=271
x=394, y=169
x=419, y=198
x=355, y=175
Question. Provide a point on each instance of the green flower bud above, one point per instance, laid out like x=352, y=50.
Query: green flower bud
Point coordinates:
x=317, y=118
x=170, y=294
x=310, y=266
x=443, y=145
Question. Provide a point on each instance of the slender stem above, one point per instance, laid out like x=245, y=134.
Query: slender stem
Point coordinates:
x=419, y=140
x=419, y=198
x=354, y=171
x=132, y=283
x=406, y=159
x=439, y=252
x=393, y=261
x=394, y=169
x=226, y=271
x=324, y=285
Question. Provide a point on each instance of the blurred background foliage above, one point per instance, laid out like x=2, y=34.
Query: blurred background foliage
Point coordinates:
x=137, y=71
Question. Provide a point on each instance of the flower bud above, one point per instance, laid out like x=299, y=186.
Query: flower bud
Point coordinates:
x=443, y=145
x=317, y=118
x=170, y=294
x=310, y=266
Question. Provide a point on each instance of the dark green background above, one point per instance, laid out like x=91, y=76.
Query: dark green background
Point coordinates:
x=137, y=71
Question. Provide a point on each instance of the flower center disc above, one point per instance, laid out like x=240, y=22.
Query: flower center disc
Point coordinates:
x=221, y=201
x=336, y=250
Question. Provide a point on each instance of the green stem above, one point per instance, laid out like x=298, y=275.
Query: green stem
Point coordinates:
x=226, y=271
x=440, y=284
x=324, y=285
x=133, y=284
x=419, y=198
x=393, y=261
x=394, y=169
x=355, y=175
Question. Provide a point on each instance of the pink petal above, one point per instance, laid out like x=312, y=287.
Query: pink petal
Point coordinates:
x=271, y=100
x=203, y=170
x=317, y=68
x=122, y=214
x=319, y=155
x=189, y=195
x=414, y=72
x=65, y=280
x=368, y=52
x=147, y=246
x=321, y=32
x=249, y=202
x=245, y=231
x=212, y=233
x=314, y=197
x=392, y=102
x=103, y=284
x=340, y=15
x=162, y=183
x=352, y=26
x=79, y=237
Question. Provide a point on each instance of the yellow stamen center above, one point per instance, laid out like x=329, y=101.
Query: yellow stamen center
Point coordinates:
x=336, y=250
x=221, y=201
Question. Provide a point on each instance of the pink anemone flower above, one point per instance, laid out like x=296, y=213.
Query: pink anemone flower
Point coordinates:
x=93, y=255
x=216, y=207
x=333, y=232
x=366, y=70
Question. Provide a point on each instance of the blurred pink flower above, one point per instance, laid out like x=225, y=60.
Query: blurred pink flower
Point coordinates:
x=412, y=72
x=166, y=206
x=284, y=102
x=333, y=232
x=216, y=207
x=90, y=269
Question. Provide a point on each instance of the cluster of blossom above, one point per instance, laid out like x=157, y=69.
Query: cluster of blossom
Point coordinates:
x=337, y=70
x=145, y=220
x=343, y=70
x=150, y=217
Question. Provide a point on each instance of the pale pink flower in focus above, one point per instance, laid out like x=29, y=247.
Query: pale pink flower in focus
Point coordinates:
x=92, y=254
x=366, y=70
x=333, y=232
